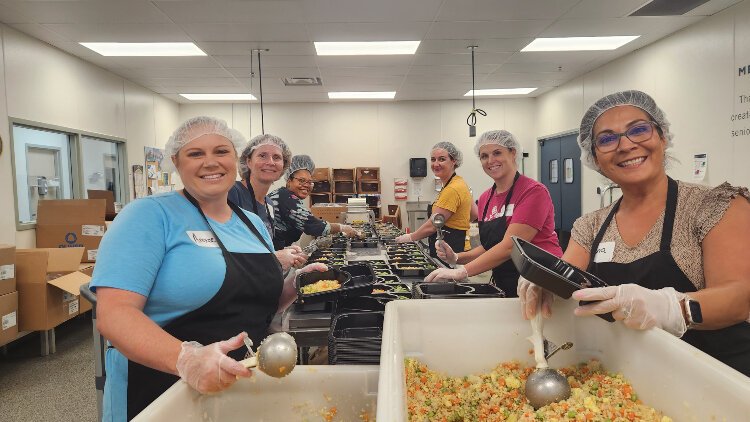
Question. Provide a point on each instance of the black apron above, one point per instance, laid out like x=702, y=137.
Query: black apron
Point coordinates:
x=505, y=276
x=246, y=301
x=269, y=224
x=730, y=345
x=455, y=238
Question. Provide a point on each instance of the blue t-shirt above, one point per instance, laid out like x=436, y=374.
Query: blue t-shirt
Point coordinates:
x=240, y=196
x=161, y=247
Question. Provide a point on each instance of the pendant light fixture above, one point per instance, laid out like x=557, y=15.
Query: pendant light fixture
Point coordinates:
x=472, y=119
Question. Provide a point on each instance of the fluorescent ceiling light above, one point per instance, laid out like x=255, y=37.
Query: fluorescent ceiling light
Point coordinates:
x=368, y=48
x=579, y=43
x=219, y=97
x=500, y=91
x=150, y=49
x=383, y=95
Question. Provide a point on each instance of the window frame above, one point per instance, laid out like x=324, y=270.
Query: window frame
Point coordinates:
x=76, y=157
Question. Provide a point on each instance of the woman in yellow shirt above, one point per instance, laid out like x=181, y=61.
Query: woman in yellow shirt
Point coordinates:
x=454, y=201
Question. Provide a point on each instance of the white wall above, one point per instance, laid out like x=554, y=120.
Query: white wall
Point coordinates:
x=382, y=134
x=43, y=84
x=692, y=76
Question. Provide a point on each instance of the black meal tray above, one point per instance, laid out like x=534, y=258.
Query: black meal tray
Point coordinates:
x=387, y=279
x=411, y=272
x=356, y=280
x=366, y=243
x=360, y=320
x=358, y=304
x=440, y=290
x=552, y=273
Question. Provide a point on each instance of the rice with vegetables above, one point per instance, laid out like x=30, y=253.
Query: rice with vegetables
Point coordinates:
x=320, y=286
x=499, y=396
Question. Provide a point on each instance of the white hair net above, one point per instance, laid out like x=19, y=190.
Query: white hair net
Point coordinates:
x=300, y=162
x=453, y=152
x=258, y=141
x=193, y=129
x=634, y=98
x=498, y=137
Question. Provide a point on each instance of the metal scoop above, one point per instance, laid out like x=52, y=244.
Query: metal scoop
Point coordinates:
x=544, y=385
x=277, y=355
x=438, y=221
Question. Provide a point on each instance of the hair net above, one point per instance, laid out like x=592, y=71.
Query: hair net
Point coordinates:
x=258, y=141
x=634, y=98
x=300, y=162
x=498, y=137
x=193, y=129
x=453, y=152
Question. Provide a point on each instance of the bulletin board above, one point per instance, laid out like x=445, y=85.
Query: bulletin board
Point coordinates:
x=157, y=180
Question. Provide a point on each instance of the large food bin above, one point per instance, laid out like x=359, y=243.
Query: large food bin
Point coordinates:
x=304, y=395
x=462, y=337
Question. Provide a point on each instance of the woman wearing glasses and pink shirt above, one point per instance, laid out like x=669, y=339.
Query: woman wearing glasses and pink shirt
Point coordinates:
x=292, y=216
x=673, y=253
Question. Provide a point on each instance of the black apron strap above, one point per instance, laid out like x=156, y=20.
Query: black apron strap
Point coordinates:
x=602, y=230
x=669, y=214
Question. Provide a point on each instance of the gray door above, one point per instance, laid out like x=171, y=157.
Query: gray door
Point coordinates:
x=561, y=173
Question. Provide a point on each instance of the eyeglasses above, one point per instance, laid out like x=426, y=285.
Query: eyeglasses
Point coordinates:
x=304, y=181
x=641, y=132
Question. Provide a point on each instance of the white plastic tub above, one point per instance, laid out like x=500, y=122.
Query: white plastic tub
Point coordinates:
x=300, y=396
x=462, y=337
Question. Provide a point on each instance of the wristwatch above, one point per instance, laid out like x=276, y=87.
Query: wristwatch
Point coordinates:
x=691, y=311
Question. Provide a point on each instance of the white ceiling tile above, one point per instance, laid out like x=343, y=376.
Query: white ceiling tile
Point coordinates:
x=712, y=7
x=465, y=58
x=119, y=32
x=229, y=48
x=371, y=10
x=635, y=25
x=452, y=70
x=470, y=30
x=176, y=72
x=130, y=11
x=257, y=32
x=276, y=72
x=502, y=10
x=223, y=11
x=604, y=8
x=355, y=61
x=484, y=45
x=500, y=76
x=154, y=62
x=194, y=82
x=368, y=71
x=9, y=14
x=354, y=81
x=266, y=61
x=385, y=31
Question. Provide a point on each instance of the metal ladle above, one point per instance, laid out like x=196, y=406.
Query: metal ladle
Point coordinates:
x=438, y=221
x=544, y=385
x=277, y=355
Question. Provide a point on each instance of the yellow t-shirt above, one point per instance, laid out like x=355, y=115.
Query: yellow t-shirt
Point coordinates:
x=455, y=197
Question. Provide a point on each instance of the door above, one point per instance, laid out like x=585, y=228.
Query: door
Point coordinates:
x=561, y=173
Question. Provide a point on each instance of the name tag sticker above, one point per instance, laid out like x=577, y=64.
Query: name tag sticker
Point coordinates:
x=605, y=252
x=509, y=212
x=204, y=239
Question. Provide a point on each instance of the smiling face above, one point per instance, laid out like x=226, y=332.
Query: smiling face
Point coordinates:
x=266, y=164
x=207, y=166
x=300, y=183
x=442, y=164
x=497, y=161
x=631, y=163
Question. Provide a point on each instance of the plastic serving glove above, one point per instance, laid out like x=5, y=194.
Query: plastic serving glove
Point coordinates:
x=208, y=369
x=404, y=238
x=530, y=295
x=638, y=307
x=445, y=252
x=451, y=274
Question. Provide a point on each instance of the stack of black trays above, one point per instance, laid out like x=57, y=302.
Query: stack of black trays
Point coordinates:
x=455, y=291
x=355, y=338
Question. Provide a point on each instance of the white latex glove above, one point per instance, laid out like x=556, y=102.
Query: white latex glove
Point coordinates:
x=208, y=369
x=289, y=291
x=404, y=238
x=445, y=252
x=637, y=307
x=348, y=230
x=450, y=274
x=531, y=295
x=291, y=257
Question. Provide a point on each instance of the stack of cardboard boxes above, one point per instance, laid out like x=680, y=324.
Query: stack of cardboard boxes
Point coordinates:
x=8, y=295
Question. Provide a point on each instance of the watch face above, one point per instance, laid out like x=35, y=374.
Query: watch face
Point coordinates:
x=695, y=311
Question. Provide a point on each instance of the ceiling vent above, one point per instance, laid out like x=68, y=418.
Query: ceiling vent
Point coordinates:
x=668, y=7
x=302, y=81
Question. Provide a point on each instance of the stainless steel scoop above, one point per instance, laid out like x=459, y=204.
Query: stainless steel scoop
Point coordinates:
x=544, y=385
x=438, y=221
x=277, y=355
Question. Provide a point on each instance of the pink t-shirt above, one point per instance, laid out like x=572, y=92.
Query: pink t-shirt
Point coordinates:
x=530, y=205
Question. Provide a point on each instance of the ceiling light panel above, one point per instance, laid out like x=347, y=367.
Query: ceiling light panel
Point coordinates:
x=499, y=91
x=367, y=48
x=362, y=95
x=219, y=97
x=144, y=49
x=579, y=43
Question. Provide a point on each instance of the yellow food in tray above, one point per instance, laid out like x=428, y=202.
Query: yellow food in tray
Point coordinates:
x=320, y=286
x=499, y=396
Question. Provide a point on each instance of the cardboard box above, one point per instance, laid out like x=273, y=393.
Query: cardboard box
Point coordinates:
x=71, y=223
x=7, y=269
x=109, y=211
x=48, y=283
x=328, y=213
x=8, y=318
x=85, y=305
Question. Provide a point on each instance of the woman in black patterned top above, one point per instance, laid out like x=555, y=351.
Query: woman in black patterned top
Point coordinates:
x=292, y=217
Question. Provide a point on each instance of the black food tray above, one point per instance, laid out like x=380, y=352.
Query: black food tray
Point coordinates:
x=366, y=243
x=357, y=283
x=411, y=271
x=358, y=304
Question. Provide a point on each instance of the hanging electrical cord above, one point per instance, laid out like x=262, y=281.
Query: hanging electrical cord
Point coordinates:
x=250, y=106
x=260, y=87
x=472, y=119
